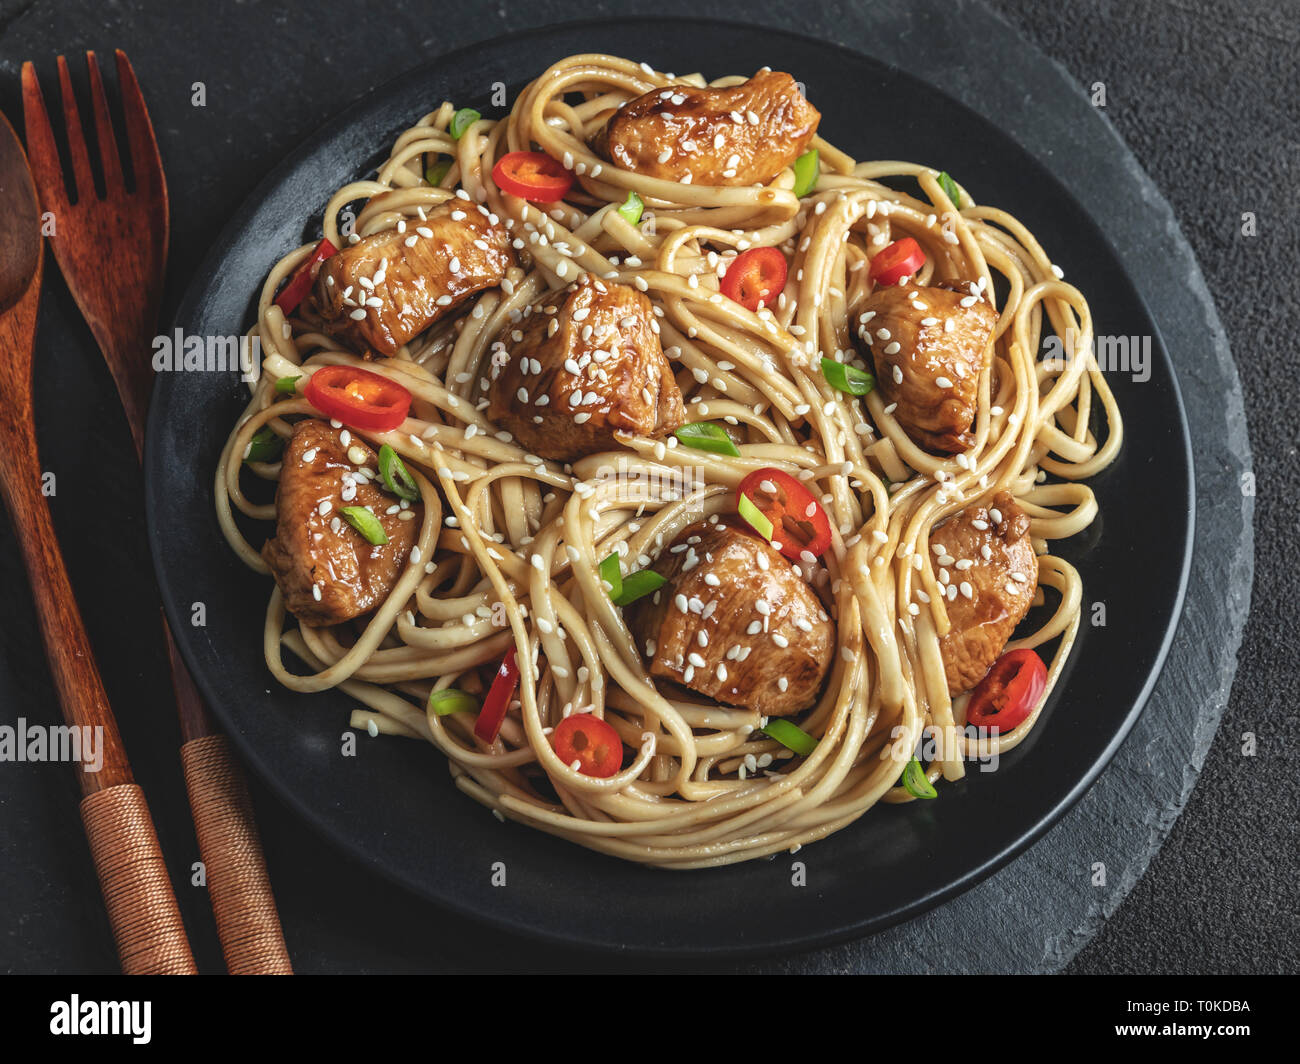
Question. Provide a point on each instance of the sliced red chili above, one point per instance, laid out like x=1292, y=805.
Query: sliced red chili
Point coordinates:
x=1009, y=692
x=900, y=259
x=591, y=743
x=358, y=398
x=755, y=277
x=532, y=175
x=799, y=524
x=301, y=280
x=488, y=725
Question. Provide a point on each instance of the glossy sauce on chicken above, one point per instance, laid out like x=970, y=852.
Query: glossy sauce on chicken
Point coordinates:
x=735, y=136
x=583, y=365
x=327, y=571
x=929, y=345
x=383, y=291
x=991, y=572
x=736, y=622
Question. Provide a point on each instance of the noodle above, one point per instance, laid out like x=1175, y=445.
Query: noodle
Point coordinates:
x=512, y=544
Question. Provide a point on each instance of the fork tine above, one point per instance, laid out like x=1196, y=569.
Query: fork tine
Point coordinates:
x=104, y=129
x=85, y=181
x=42, y=154
x=145, y=162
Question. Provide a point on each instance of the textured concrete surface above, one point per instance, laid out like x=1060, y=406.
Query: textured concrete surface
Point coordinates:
x=1194, y=91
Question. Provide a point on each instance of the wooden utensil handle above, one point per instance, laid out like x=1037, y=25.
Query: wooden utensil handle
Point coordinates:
x=72, y=664
x=238, y=884
x=138, y=894
x=137, y=889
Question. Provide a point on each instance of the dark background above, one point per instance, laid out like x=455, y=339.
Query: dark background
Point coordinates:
x=1205, y=96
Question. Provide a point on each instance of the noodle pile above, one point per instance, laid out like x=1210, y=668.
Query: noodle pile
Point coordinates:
x=511, y=544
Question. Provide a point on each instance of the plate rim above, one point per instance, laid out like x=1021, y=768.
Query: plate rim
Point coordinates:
x=196, y=288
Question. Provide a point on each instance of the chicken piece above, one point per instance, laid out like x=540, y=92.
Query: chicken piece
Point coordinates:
x=735, y=622
x=930, y=345
x=584, y=364
x=314, y=550
x=419, y=276
x=738, y=136
x=1001, y=585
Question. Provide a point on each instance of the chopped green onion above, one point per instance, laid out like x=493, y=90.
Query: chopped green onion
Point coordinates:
x=265, y=446
x=435, y=173
x=638, y=585
x=915, y=781
x=806, y=169
x=287, y=385
x=397, y=478
x=790, y=735
x=949, y=187
x=847, y=378
x=612, y=575
x=631, y=209
x=363, y=519
x=449, y=701
x=461, y=121
x=755, y=517
x=706, y=436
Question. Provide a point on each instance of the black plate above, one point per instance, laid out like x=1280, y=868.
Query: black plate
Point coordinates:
x=393, y=805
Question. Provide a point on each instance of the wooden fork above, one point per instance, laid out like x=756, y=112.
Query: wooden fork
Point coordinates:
x=112, y=250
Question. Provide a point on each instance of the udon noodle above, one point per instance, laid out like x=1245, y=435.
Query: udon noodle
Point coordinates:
x=511, y=544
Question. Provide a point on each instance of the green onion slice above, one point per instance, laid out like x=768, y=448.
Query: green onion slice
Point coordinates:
x=755, y=517
x=915, y=781
x=806, y=170
x=638, y=585
x=626, y=590
x=847, y=378
x=363, y=519
x=461, y=121
x=609, y=572
x=287, y=385
x=397, y=478
x=449, y=700
x=706, y=436
x=791, y=736
x=949, y=187
x=631, y=209
x=265, y=446
x=435, y=173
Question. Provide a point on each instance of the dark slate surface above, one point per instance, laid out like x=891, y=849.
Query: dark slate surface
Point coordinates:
x=1194, y=91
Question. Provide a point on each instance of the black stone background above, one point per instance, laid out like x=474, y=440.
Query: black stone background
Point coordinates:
x=1205, y=96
